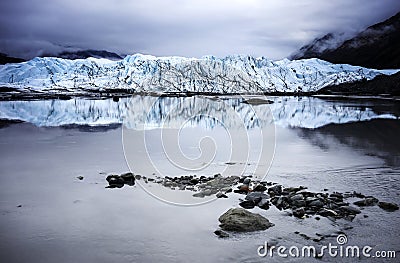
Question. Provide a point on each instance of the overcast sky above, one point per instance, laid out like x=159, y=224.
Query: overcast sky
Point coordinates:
x=271, y=28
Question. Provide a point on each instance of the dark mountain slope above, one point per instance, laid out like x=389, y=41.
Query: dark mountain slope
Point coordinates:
x=376, y=47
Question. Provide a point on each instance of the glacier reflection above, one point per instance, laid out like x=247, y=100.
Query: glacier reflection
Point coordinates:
x=148, y=112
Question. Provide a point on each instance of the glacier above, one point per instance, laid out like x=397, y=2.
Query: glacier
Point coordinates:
x=150, y=74
x=150, y=112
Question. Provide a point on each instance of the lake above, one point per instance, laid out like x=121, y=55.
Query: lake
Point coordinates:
x=48, y=215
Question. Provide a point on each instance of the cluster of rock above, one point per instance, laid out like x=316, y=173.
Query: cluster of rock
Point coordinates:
x=202, y=186
x=303, y=203
x=300, y=202
x=118, y=181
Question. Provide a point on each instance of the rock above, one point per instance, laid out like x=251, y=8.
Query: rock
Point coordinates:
x=260, y=188
x=243, y=189
x=388, y=206
x=310, y=199
x=275, y=190
x=368, y=201
x=297, y=200
x=208, y=192
x=241, y=220
x=294, y=189
x=280, y=202
x=263, y=204
x=194, y=181
x=341, y=203
x=80, y=177
x=296, y=197
x=227, y=190
x=221, y=233
x=358, y=195
x=336, y=195
x=256, y=196
x=138, y=177
x=199, y=194
x=327, y=212
x=299, y=212
x=350, y=209
x=304, y=236
x=129, y=178
x=349, y=217
x=221, y=195
x=115, y=181
x=298, y=203
x=316, y=203
x=247, y=181
x=248, y=204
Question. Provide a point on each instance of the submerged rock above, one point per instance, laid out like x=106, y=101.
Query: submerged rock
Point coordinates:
x=299, y=212
x=388, y=206
x=221, y=233
x=350, y=209
x=369, y=201
x=241, y=220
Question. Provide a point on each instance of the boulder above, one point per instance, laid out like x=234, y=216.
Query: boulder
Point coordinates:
x=388, y=206
x=241, y=220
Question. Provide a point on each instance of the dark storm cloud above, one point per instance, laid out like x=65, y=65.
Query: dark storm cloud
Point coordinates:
x=273, y=28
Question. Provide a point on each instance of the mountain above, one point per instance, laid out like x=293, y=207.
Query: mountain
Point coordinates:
x=82, y=54
x=382, y=84
x=144, y=73
x=5, y=59
x=375, y=47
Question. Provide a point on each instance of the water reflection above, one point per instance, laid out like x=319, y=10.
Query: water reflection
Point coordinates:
x=154, y=112
x=377, y=138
